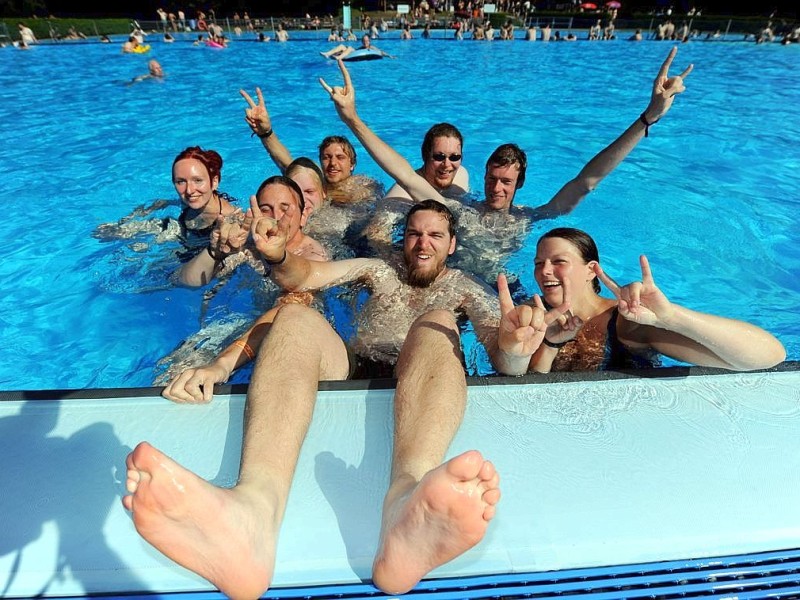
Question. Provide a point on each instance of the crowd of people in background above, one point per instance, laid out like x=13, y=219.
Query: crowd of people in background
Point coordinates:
x=455, y=19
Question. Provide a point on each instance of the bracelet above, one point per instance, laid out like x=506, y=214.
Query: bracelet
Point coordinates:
x=646, y=124
x=280, y=262
x=556, y=345
x=263, y=136
x=246, y=348
x=211, y=254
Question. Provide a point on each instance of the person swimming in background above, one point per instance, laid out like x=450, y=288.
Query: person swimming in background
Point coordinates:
x=131, y=45
x=281, y=35
x=26, y=34
x=636, y=326
x=336, y=156
x=342, y=51
x=155, y=72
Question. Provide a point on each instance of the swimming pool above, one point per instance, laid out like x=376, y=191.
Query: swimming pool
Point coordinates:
x=710, y=196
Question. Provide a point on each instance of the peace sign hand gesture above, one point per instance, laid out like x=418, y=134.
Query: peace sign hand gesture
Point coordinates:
x=256, y=115
x=641, y=301
x=343, y=97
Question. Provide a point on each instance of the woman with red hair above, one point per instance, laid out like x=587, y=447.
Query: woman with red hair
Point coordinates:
x=196, y=174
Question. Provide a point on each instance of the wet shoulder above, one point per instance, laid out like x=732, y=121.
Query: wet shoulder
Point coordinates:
x=357, y=188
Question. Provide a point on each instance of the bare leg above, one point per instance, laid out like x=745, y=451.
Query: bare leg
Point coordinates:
x=432, y=512
x=229, y=536
x=337, y=50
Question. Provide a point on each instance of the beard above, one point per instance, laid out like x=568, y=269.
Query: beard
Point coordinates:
x=423, y=278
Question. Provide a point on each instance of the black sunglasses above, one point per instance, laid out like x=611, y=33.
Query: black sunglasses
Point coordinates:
x=440, y=156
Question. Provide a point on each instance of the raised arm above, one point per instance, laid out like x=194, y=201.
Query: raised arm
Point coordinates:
x=260, y=124
x=648, y=318
x=397, y=167
x=665, y=88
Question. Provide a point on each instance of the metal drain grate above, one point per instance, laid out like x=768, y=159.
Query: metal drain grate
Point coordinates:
x=767, y=575
x=774, y=575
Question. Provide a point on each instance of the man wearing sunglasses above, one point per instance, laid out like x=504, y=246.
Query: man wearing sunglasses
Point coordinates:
x=442, y=171
x=441, y=164
x=492, y=229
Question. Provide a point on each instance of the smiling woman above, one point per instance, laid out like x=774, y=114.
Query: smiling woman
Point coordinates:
x=633, y=328
x=196, y=175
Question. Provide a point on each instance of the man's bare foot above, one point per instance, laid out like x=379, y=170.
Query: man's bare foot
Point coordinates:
x=440, y=518
x=222, y=535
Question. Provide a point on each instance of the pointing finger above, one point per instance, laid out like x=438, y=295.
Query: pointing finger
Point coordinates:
x=662, y=73
x=504, y=295
x=248, y=219
x=345, y=74
x=286, y=220
x=647, y=274
x=254, y=207
x=609, y=283
x=327, y=88
x=247, y=97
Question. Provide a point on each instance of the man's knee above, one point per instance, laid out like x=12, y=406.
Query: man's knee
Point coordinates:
x=294, y=315
x=442, y=321
x=432, y=341
x=434, y=328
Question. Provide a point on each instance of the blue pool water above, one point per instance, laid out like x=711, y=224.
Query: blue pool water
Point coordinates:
x=710, y=197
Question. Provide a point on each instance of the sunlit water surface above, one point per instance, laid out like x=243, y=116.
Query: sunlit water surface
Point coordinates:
x=711, y=196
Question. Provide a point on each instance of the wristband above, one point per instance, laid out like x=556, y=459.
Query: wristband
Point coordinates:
x=263, y=136
x=646, y=124
x=245, y=348
x=211, y=254
x=280, y=262
x=556, y=345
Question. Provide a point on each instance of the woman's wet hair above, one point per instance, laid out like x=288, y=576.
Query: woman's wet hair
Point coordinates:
x=437, y=207
x=286, y=182
x=582, y=241
x=303, y=162
x=343, y=142
x=211, y=160
x=509, y=154
x=436, y=131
